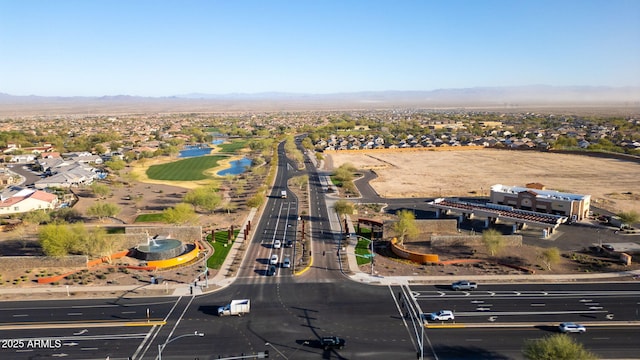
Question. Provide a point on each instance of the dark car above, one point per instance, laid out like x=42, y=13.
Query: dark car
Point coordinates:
x=331, y=342
x=271, y=270
x=288, y=243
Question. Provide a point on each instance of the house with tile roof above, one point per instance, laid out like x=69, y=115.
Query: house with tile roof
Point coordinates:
x=14, y=200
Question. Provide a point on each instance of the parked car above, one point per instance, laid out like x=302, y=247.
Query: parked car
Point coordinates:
x=442, y=315
x=277, y=244
x=330, y=342
x=464, y=285
x=571, y=327
x=274, y=259
x=286, y=263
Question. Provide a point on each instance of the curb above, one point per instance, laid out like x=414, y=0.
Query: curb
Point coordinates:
x=306, y=268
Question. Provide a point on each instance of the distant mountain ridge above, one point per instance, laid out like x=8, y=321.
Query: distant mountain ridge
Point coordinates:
x=516, y=96
x=519, y=93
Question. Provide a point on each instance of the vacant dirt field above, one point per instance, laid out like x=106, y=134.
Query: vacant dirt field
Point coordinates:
x=613, y=184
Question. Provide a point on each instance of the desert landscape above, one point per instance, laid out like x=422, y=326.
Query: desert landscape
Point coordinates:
x=613, y=184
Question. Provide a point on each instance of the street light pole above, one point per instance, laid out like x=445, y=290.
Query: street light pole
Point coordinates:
x=372, y=256
x=276, y=349
x=162, y=346
x=422, y=337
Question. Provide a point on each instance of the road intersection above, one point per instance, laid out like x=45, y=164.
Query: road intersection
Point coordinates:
x=379, y=316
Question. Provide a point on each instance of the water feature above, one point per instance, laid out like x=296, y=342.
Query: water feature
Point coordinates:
x=199, y=150
x=159, y=248
x=195, y=150
x=237, y=167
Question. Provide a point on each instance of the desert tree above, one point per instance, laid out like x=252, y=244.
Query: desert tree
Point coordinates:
x=57, y=240
x=100, y=190
x=229, y=207
x=629, y=218
x=556, y=347
x=343, y=207
x=102, y=210
x=180, y=214
x=300, y=181
x=550, y=256
x=205, y=198
x=406, y=226
x=256, y=200
x=493, y=241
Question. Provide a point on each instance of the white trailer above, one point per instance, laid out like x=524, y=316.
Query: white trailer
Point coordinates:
x=235, y=307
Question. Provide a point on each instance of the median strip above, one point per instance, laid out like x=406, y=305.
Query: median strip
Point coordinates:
x=73, y=325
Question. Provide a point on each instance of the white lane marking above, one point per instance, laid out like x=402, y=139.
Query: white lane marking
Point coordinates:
x=20, y=315
x=74, y=314
x=538, y=304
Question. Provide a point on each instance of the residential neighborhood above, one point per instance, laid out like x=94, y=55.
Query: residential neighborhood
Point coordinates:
x=66, y=156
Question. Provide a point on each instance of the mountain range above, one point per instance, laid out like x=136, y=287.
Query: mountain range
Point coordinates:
x=477, y=97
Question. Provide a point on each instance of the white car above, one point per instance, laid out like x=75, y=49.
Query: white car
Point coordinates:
x=442, y=315
x=277, y=244
x=286, y=263
x=274, y=259
x=571, y=327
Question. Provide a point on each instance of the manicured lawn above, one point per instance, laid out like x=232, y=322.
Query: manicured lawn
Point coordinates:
x=149, y=218
x=221, y=248
x=233, y=147
x=190, y=169
x=362, y=248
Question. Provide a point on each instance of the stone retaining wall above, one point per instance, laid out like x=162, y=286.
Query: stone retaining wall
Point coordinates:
x=470, y=240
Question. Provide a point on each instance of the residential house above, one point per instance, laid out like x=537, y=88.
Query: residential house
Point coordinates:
x=16, y=200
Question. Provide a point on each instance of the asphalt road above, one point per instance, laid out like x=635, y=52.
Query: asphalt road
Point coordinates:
x=291, y=316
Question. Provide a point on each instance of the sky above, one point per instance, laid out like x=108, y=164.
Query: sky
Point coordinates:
x=165, y=48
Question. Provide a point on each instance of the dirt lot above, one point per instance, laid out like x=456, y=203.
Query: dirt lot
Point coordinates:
x=613, y=184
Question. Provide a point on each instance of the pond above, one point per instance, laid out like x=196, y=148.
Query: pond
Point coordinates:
x=237, y=167
x=198, y=150
x=195, y=150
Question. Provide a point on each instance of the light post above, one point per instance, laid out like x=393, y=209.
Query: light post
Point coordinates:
x=421, y=336
x=162, y=346
x=274, y=348
x=206, y=272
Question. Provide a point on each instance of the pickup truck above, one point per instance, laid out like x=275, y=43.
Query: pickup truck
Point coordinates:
x=464, y=285
x=330, y=342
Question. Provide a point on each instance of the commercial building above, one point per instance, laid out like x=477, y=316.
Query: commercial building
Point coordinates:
x=534, y=197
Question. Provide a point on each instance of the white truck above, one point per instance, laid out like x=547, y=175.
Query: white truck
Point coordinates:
x=283, y=194
x=235, y=307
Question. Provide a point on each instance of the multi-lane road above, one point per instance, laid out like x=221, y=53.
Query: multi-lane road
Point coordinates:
x=290, y=313
x=495, y=320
